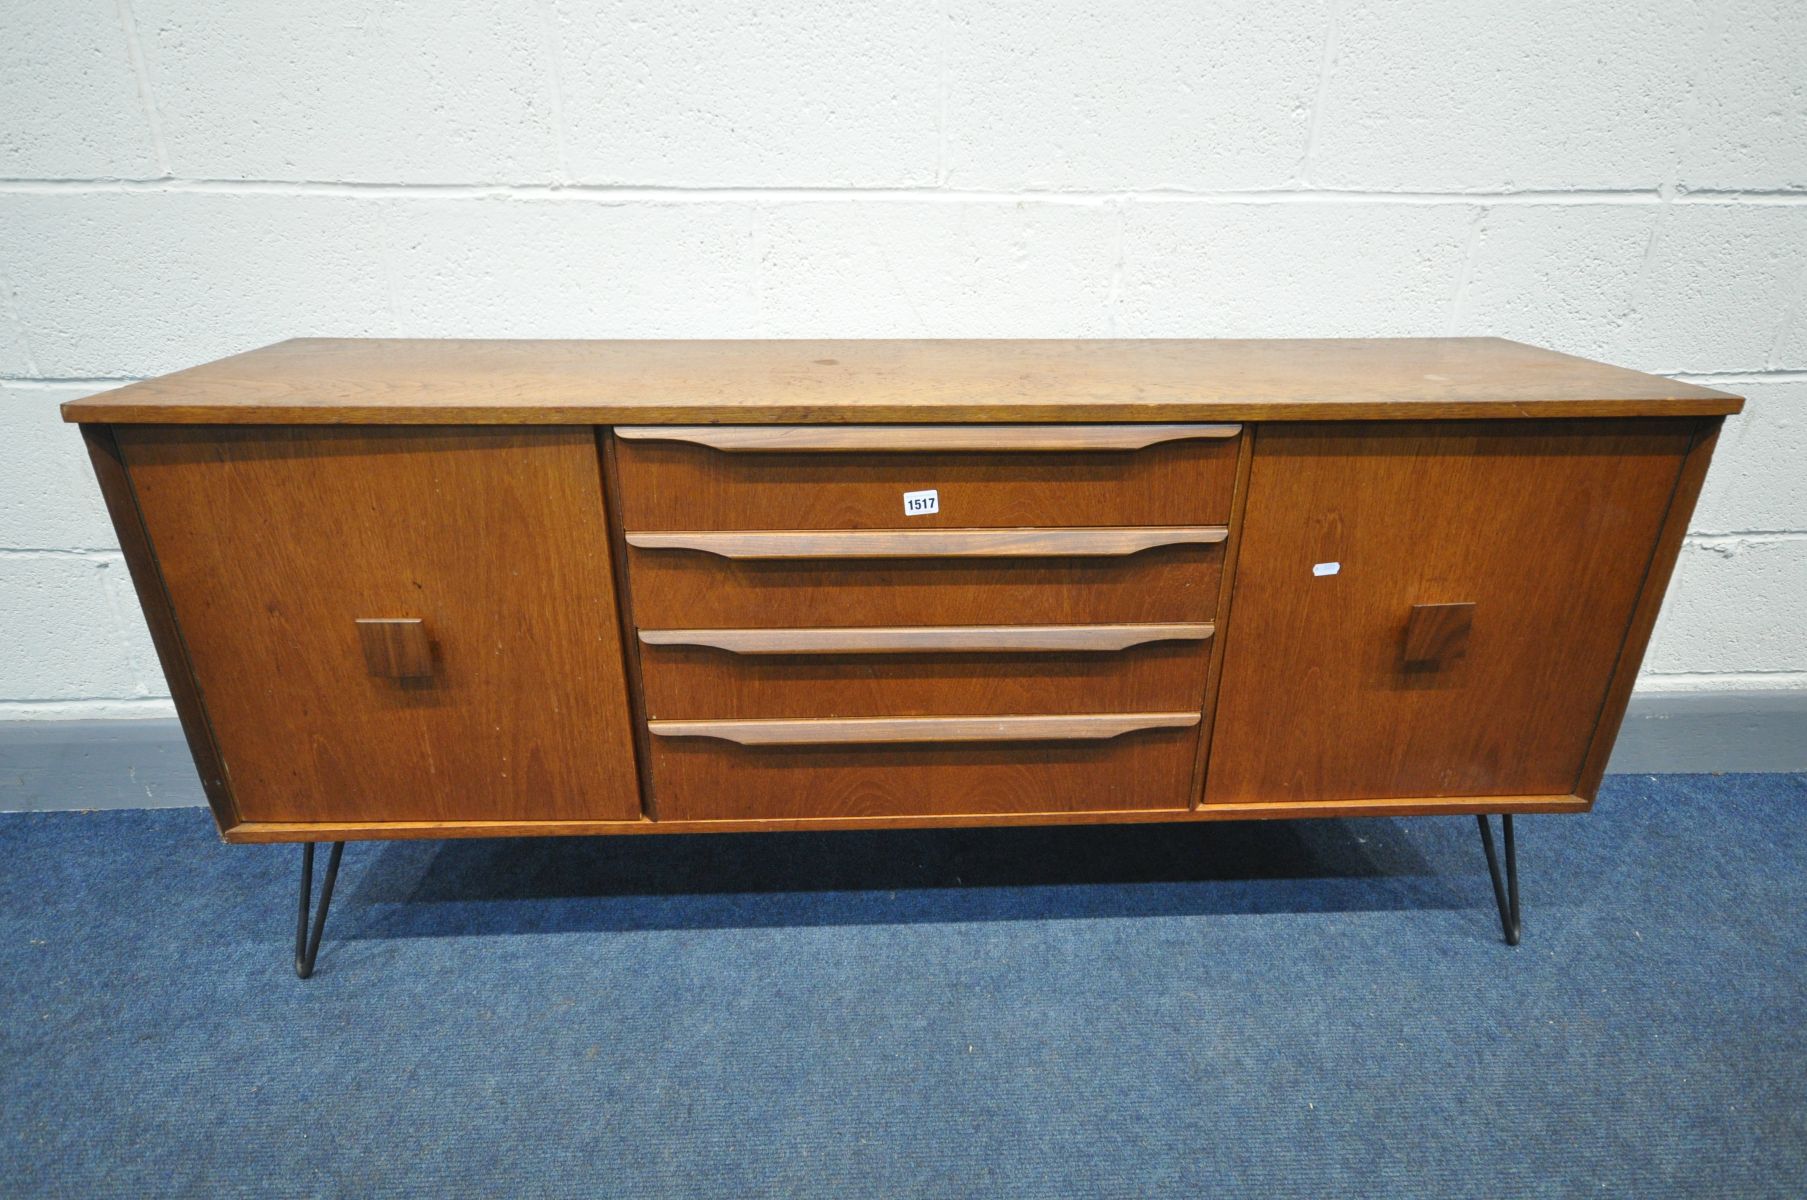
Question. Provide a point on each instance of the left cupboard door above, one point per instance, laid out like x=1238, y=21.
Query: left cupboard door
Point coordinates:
x=396, y=623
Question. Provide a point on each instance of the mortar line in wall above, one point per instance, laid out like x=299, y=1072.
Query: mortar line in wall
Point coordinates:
x=125, y=616
x=1791, y=313
x=110, y=701
x=1727, y=676
x=1760, y=375
x=63, y=381
x=555, y=90
x=1113, y=293
x=626, y=193
x=1470, y=254
x=1622, y=321
x=15, y=320
x=1758, y=196
x=1722, y=674
x=80, y=700
x=1746, y=535
x=1712, y=29
x=1313, y=118
x=141, y=73
x=945, y=19
x=385, y=266
x=143, y=700
x=756, y=235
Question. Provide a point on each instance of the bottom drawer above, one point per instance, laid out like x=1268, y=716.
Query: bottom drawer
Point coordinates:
x=948, y=767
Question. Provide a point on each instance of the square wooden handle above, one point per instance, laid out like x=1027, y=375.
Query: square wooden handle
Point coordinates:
x=396, y=647
x=1436, y=634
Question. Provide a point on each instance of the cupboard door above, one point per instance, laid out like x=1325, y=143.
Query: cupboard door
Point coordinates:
x=1425, y=610
x=396, y=624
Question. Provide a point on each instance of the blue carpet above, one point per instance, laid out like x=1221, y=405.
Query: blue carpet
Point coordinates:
x=1306, y=1009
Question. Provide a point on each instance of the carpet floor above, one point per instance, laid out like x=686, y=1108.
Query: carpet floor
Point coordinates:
x=1265, y=1009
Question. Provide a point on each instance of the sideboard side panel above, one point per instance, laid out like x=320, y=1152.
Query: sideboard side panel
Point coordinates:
x=159, y=615
x=1435, y=609
x=1650, y=603
x=276, y=542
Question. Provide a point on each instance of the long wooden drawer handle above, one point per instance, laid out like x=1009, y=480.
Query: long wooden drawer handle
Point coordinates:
x=931, y=543
x=845, y=731
x=921, y=438
x=1004, y=639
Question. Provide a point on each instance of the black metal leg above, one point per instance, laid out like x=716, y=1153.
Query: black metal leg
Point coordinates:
x=1506, y=894
x=307, y=947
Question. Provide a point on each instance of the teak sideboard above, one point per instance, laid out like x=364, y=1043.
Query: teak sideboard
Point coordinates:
x=480, y=588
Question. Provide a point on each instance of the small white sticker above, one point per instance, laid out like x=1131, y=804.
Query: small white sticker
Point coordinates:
x=1326, y=568
x=921, y=504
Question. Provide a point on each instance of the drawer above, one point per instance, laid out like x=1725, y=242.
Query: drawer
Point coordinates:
x=923, y=670
x=736, y=770
x=826, y=582
x=856, y=477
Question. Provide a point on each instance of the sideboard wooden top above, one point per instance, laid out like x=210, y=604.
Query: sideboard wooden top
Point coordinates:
x=427, y=382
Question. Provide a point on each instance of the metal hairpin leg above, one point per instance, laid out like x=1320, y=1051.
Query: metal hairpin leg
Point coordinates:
x=306, y=947
x=1506, y=894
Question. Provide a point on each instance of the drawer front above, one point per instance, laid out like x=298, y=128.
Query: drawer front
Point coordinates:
x=691, y=589
x=709, y=778
x=856, y=477
x=755, y=673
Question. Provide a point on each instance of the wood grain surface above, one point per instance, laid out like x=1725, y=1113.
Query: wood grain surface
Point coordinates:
x=674, y=485
x=1546, y=528
x=698, y=682
x=388, y=381
x=265, y=832
x=1649, y=606
x=273, y=541
x=396, y=631
x=708, y=779
x=160, y=617
x=674, y=588
x=1226, y=589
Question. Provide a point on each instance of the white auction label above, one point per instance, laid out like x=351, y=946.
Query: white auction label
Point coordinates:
x=921, y=504
x=1326, y=568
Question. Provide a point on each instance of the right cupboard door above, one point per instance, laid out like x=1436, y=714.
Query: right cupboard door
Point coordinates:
x=1434, y=609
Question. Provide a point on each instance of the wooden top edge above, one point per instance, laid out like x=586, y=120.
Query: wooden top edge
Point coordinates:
x=94, y=411
x=885, y=381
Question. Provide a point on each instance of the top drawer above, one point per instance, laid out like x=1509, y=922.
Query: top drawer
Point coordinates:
x=855, y=476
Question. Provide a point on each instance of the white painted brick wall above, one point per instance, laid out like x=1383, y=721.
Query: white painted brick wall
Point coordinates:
x=1167, y=94
x=182, y=180
x=1463, y=95
x=1364, y=269
x=406, y=91
x=890, y=268
x=836, y=93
